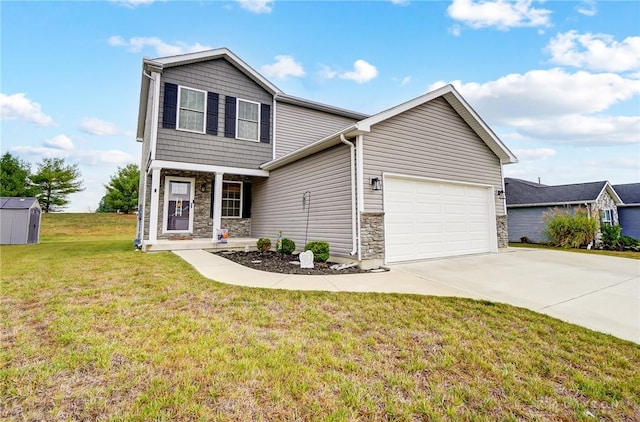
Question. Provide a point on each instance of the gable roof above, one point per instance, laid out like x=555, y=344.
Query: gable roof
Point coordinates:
x=629, y=193
x=524, y=193
x=448, y=92
x=13, y=203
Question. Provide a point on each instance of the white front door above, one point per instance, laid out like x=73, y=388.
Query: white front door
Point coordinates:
x=178, y=205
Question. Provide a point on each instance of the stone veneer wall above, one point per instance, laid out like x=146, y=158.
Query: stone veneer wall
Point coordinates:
x=503, y=233
x=372, y=235
x=238, y=227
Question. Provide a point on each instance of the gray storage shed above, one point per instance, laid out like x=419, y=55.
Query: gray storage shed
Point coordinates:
x=19, y=221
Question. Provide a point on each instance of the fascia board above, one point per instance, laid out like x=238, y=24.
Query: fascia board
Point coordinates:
x=206, y=168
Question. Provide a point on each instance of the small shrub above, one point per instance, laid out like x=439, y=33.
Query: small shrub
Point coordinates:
x=263, y=244
x=320, y=250
x=628, y=241
x=570, y=230
x=610, y=235
x=525, y=239
x=288, y=246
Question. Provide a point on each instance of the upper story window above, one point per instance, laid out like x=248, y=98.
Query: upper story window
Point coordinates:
x=248, y=120
x=191, y=113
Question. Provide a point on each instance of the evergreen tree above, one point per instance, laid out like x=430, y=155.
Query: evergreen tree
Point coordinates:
x=14, y=177
x=122, y=191
x=56, y=181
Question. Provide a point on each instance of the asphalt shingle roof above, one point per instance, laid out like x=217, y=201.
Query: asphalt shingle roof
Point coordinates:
x=523, y=192
x=16, y=203
x=629, y=193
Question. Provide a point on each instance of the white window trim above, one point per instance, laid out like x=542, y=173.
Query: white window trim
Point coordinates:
x=238, y=119
x=204, y=117
x=607, y=216
x=223, y=198
x=165, y=210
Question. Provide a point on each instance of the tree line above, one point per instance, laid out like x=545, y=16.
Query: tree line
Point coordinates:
x=54, y=180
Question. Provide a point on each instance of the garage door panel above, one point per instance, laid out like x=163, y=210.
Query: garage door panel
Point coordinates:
x=435, y=219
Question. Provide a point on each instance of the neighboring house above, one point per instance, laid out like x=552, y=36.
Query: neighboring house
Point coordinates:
x=629, y=210
x=223, y=148
x=19, y=221
x=527, y=203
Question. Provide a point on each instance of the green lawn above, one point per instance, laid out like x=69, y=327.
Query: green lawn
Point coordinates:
x=621, y=254
x=92, y=330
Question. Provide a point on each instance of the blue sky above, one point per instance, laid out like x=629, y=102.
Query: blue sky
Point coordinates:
x=559, y=82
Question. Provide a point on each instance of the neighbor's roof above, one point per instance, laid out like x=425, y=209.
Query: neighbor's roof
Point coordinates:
x=629, y=193
x=17, y=203
x=448, y=92
x=524, y=193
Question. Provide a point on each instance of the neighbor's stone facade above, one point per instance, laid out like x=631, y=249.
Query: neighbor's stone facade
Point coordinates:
x=372, y=235
x=503, y=233
x=605, y=202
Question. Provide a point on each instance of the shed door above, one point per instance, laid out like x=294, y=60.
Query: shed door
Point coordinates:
x=34, y=225
x=426, y=219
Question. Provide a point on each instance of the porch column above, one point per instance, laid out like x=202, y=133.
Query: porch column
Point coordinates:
x=155, y=204
x=217, y=203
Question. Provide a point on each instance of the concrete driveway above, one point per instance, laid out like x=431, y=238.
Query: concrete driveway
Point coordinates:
x=595, y=291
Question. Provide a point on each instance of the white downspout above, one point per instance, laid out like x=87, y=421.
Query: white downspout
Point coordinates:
x=274, y=145
x=359, y=181
x=354, y=228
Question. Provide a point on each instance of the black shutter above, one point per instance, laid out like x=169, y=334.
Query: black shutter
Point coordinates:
x=213, y=195
x=265, y=123
x=246, y=200
x=212, y=113
x=230, y=117
x=170, y=109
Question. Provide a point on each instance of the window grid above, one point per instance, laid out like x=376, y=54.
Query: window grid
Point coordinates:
x=232, y=199
x=192, y=110
x=248, y=120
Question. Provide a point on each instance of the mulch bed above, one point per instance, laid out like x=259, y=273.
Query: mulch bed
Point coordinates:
x=280, y=263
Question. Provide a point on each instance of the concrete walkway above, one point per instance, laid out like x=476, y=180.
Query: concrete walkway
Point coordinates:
x=597, y=292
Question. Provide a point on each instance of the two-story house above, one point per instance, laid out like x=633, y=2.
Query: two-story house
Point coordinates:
x=224, y=148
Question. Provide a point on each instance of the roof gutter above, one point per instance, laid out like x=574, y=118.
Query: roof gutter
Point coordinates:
x=312, y=148
x=549, y=204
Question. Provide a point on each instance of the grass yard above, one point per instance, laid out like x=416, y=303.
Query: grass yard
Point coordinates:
x=92, y=330
x=620, y=254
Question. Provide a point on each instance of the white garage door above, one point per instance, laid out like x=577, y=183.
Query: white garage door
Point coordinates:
x=425, y=219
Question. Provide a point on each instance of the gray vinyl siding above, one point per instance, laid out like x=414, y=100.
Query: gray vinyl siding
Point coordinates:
x=221, y=77
x=431, y=141
x=277, y=201
x=298, y=126
x=629, y=220
x=527, y=222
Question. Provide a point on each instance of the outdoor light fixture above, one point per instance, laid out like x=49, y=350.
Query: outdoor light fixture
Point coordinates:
x=376, y=183
x=203, y=187
x=500, y=193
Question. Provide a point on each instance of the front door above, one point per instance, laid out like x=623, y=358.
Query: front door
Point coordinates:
x=178, y=205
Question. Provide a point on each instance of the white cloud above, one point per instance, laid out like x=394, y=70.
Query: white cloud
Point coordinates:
x=595, y=51
x=283, y=67
x=59, y=142
x=95, y=126
x=132, y=3
x=256, y=6
x=561, y=107
x=400, y=2
x=362, y=72
x=534, y=153
x=136, y=44
x=587, y=8
x=19, y=107
x=326, y=72
x=455, y=30
x=402, y=81
x=501, y=14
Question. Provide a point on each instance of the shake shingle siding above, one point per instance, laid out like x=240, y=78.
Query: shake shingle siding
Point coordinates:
x=216, y=76
x=431, y=141
x=277, y=201
x=299, y=126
